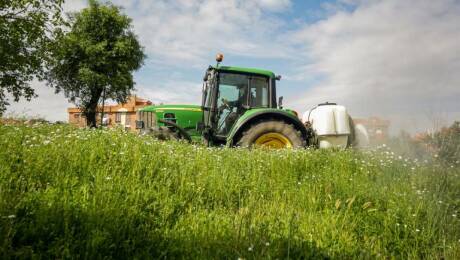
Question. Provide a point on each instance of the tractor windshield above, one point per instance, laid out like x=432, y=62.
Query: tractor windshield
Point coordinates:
x=233, y=89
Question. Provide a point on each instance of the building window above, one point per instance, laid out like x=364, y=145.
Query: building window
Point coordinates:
x=105, y=120
x=76, y=115
x=117, y=117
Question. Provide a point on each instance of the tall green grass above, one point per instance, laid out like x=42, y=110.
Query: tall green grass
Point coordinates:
x=69, y=193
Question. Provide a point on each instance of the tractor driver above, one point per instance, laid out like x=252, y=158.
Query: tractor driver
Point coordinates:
x=240, y=102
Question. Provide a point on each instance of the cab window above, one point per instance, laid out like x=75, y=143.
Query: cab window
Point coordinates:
x=259, y=92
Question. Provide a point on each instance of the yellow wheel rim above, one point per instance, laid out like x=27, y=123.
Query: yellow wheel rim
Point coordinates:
x=273, y=140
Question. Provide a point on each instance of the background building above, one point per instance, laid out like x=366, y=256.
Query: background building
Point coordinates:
x=114, y=115
x=377, y=128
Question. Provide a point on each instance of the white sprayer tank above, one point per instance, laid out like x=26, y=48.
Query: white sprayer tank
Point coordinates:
x=331, y=124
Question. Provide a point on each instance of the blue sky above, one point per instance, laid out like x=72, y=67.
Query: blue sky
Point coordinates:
x=284, y=15
x=395, y=59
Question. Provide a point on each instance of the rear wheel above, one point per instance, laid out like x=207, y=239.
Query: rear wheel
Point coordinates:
x=272, y=134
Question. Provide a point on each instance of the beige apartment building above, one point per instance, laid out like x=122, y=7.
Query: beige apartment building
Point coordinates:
x=123, y=115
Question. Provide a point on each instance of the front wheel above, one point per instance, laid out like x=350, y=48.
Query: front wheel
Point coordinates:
x=272, y=134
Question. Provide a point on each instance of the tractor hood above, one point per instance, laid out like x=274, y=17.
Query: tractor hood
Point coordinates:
x=161, y=108
x=184, y=116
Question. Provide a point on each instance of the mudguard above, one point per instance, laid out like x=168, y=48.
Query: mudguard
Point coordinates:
x=255, y=115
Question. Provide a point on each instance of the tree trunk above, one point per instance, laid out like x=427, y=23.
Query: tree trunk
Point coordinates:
x=91, y=108
x=91, y=118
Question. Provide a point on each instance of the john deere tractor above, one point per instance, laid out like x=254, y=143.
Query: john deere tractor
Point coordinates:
x=239, y=108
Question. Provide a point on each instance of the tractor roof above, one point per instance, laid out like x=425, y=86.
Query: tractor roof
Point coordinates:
x=266, y=73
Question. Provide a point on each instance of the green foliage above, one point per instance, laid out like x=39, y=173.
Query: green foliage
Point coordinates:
x=69, y=193
x=442, y=146
x=447, y=142
x=99, y=52
x=24, y=35
x=408, y=147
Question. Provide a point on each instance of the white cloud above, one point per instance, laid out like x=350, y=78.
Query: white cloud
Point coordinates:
x=48, y=105
x=275, y=5
x=191, y=32
x=176, y=92
x=397, y=59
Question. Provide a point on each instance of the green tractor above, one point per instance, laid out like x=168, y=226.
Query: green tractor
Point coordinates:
x=239, y=108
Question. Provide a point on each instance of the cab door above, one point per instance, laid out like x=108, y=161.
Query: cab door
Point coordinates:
x=208, y=103
x=232, y=100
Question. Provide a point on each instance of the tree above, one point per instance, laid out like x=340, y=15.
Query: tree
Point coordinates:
x=96, y=56
x=25, y=28
x=447, y=140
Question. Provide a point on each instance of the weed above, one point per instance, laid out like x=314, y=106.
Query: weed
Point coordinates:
x=76, y=193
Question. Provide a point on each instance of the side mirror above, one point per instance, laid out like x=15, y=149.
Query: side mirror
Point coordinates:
x=280, y=102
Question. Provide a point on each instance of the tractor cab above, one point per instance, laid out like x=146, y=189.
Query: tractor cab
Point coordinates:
x=228, y=92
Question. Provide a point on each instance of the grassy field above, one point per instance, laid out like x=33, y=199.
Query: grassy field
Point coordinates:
x=68, y=193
